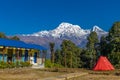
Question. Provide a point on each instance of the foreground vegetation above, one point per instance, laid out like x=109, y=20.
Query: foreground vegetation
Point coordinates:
x=16, y=64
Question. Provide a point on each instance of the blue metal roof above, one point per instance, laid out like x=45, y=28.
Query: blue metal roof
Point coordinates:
x=19, y=44
x=38, y=47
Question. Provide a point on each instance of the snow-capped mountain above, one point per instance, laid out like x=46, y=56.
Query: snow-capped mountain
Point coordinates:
x=64, y=31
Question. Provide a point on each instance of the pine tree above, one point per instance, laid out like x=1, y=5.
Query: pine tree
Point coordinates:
x=103, y=44
x=114, y=43
x=15, y=38
x=58, y=57
x=2, y=35
x=71, y=54
x=92, y=39
x=51, y=44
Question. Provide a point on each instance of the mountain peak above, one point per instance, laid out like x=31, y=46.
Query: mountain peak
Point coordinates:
x=65, y=25
x=97, y=29
x=67, y=29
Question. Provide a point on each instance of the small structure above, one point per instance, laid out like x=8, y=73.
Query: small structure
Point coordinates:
x=103, y=64
x=13, y=50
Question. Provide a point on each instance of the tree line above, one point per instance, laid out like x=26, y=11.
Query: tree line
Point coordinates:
x=72, y=56
x=2, y=35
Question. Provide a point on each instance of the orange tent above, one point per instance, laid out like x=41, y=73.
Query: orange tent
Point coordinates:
x=103, y=64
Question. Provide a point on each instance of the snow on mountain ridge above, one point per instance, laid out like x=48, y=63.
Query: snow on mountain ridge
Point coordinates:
x=96, y=28
x=66, y=29
x=64, y=25
x=42, y=33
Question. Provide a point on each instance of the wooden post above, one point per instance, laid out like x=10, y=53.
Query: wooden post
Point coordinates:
x=4, y=50
x=29, y=52
x=14, y=51
x=17, y=54
x=23, y=54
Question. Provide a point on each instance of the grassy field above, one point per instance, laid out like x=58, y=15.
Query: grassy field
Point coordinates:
x=35, y=74
x=99, y=75
x=26, y=74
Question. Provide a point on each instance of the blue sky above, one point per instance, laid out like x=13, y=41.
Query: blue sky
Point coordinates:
x=29, y=16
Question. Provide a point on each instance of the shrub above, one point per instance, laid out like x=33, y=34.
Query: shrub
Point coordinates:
x=3, y=64
x=22, y=64
x=48, y=64
x=17, y=64
x=58, y=65
x=10, y=65
x=25, y=64
x=117, y=66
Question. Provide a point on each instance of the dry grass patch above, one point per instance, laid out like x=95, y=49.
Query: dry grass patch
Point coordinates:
x=38, y=74
x=97, y=77
x=26, y=74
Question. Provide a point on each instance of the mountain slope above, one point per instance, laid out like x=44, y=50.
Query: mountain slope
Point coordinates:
x=64, y=31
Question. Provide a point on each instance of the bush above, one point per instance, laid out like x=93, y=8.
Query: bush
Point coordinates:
x=58, y=65
x=21, y=64
x=117, y=66
x=17, y=64
x=26, y=64
x=3, y=64
x=10, y=65
x=48, y=64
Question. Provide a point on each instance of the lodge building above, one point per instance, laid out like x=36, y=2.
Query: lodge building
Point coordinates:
x=13, y=50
